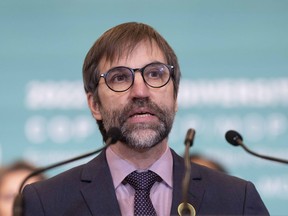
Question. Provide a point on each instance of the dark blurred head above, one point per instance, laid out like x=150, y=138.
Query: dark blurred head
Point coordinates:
x=204, y=161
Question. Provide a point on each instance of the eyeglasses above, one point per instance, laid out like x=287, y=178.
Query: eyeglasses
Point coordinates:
x=155, y=75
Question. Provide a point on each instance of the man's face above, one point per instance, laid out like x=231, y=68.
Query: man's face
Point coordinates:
x=144, y=114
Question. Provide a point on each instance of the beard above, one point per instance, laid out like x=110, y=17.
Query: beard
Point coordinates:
x=140, y=136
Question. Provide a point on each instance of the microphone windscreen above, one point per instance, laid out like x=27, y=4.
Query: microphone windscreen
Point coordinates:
x=232, y=137
x=114, y=134
x=189, y=137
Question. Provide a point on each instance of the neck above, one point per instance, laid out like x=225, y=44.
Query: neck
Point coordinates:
x=141, y=159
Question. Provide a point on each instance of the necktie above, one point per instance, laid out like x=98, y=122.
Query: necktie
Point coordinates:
x=142, y=182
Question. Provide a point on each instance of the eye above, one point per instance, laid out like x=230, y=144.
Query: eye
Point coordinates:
x=118, y=78
x=155, y=71
x=119, y=75
x=155, y=74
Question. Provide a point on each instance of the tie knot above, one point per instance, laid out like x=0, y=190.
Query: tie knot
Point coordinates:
x=142, y=180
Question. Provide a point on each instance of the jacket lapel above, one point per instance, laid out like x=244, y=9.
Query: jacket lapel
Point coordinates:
x=196, y=188
x=98, y=189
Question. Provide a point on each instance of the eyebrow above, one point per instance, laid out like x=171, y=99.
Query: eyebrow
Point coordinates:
x=134, y=68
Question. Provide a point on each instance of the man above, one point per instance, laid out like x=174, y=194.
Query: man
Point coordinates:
x=131, y=78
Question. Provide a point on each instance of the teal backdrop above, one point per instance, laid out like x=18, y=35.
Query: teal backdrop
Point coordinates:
x=234, y=60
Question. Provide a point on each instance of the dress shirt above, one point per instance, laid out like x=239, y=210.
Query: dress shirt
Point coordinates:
x=160, y=193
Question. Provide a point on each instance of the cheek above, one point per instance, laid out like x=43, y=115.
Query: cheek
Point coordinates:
x=112, y=100
x=166, y=96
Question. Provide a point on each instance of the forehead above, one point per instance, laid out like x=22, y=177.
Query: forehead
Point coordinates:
x=138, y=56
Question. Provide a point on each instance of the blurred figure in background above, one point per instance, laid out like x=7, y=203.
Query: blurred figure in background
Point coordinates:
x=11, y=178
x=204, y=161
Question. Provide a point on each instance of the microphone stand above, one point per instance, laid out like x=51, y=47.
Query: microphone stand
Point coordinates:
x=186, y=208
x=41, y=170
x=186, y=180
x=240, y=142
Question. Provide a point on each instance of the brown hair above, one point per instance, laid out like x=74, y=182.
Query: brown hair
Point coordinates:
x=118, y=41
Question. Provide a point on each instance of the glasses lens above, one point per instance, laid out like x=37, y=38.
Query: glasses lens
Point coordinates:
x=119, y=79
x=156, y=75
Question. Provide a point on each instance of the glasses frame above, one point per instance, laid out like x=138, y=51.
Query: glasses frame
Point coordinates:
x=141, y=70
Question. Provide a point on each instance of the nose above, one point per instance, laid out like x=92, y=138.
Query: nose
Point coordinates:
x=139, y=88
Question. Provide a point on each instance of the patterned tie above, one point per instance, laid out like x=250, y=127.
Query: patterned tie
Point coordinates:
x=142, y=182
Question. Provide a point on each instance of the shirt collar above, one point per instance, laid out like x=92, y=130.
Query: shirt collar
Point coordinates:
x=120, y=168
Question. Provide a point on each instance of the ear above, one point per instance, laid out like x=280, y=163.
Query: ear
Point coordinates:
x=94, y=106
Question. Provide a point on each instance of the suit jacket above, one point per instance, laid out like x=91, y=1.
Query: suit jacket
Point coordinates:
x=88, y=190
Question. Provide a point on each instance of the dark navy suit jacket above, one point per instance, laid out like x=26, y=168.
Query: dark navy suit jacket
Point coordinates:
x=88, y=190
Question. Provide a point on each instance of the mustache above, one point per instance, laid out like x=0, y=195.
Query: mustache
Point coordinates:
x=140, y=103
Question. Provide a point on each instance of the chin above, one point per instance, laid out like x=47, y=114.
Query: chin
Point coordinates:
x=142, y=139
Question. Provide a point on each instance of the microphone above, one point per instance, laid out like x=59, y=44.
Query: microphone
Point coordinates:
x=113, y=134
x=186, y=208
x=189, y=139
x=234, y=138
